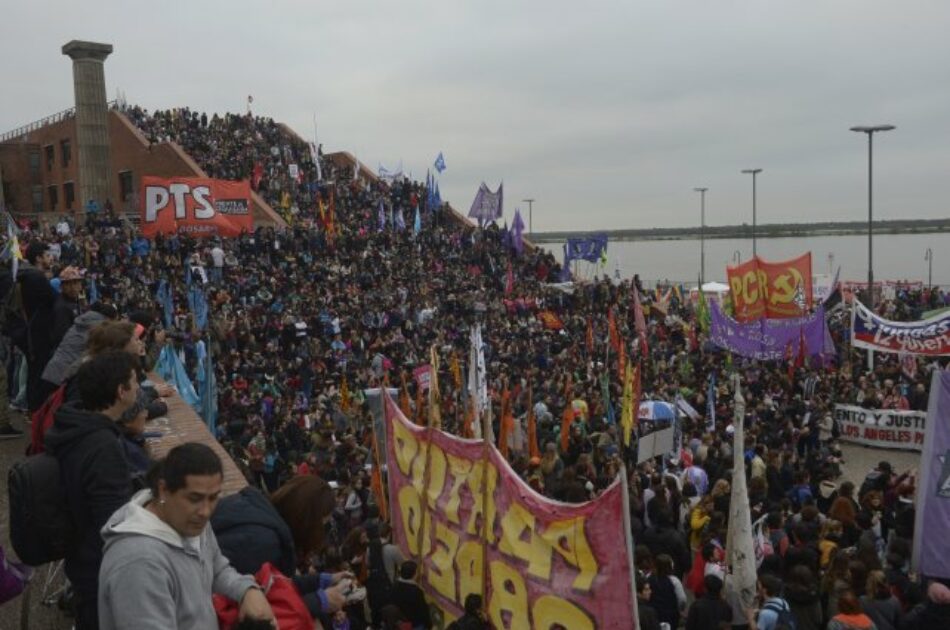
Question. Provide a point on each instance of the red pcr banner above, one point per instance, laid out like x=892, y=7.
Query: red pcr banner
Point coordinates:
x=198, y=206
x=778, y=290
x=457, y=506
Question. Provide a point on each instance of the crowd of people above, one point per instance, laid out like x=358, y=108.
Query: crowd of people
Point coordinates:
x=301, y=321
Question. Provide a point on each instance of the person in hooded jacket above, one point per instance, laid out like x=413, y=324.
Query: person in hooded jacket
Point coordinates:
x=84, y=439
x=284, y=530
x=66, y=358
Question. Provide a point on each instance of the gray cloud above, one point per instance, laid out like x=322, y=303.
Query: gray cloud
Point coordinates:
x=608, y=113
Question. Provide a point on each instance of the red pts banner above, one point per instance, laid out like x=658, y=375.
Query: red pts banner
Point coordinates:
x=197, y=206
x=779, y=290
x=457, y=506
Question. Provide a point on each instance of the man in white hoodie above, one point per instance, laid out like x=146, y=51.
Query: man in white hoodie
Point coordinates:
x=162, y=563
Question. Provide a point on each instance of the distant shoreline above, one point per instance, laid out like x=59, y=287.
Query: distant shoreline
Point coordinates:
x=772, y=230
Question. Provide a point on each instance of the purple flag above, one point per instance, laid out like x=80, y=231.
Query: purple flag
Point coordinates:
x=768, y=339
x=931, y=556
x=487, y=205
x=517, y=229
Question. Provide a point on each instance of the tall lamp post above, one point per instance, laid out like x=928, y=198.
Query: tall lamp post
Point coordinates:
x=870, y=131
x=530, y=203
x=702, y=234
x=753, y=172
x=929, y=257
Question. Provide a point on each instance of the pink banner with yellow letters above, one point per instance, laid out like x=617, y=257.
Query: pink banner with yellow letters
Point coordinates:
x=549, y=564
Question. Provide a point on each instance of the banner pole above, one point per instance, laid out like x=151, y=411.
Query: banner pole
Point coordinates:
x=628, y=536
x=486, y=454
x=424, y=498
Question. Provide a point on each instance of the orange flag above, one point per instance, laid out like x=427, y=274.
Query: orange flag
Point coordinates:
x=376, y=484
x=566, y=420
x=467, y=429
x=456, y=370
x=612, y=331
x=506, y=424
x=622, y=361
x=533, y=450
x=590, y=336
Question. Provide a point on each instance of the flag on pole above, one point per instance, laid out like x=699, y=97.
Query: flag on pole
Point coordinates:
x=740, y=547
x=456, y=369
x=711, y=403
x=506, y=426
x=400, y=220
x=381, y=215
x=589, y=338
x=439, y=163
x=477, y=379
x=435, y=396
x=702, y=311
x=641, y=323
x=517, y=231
x=612, y=332
x=509, y=280
x=417, y=223
x=627, y=411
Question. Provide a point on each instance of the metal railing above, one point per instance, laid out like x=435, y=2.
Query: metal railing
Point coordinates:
x=19, y=132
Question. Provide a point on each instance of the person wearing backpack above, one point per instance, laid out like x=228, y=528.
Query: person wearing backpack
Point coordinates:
x=775, y=613
x=84, y=439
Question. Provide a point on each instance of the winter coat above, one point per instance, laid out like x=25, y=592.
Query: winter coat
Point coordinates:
x=96, y=480
x=251, y=532
x=66, y=357
x=153, y=578
x=885, y=613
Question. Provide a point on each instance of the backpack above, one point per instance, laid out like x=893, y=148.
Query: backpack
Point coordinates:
x=785, y=619
x=289, y=608
x=42, y=419
x=41, y=527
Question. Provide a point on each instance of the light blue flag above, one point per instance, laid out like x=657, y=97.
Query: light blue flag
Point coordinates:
x=164, y=296
x=439, y=163
x=382, y=216
x=198, y=304
x=417, y=222
x=93, y=290
x=207, y=387
x=172, y=370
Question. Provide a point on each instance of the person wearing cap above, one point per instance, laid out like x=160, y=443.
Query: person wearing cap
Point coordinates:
x=66, y=307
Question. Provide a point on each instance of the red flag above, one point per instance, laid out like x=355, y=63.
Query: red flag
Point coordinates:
x=802, y=349
x=641, y=322
x=509, y=280
x=257, y=175
x=622, y=361
x=590, y=336
x=612, y=331
x=376, y=482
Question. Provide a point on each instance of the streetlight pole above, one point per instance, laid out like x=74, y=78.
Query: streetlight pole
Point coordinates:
x=753, y=172
x=736, y=257
x=870, y=130
x=530, y=203
x=929, y=257
x=702, y=234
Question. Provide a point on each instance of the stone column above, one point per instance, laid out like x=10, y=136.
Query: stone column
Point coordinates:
x=92, y=120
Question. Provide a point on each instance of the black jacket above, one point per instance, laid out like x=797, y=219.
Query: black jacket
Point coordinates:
x=708, y=613
x=250, y=532
x=97, y=482
x=669, y=541
x=412, y=602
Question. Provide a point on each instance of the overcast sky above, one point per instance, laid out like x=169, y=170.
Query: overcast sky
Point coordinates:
x=607, y=113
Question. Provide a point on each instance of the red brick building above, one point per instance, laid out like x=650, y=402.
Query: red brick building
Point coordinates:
x=39, y=168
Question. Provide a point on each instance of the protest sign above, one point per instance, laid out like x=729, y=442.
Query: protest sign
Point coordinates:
x=478, y=528
x=197, y=206
x=931, y=555
x=884, y=428
x=422, y=375
x=870, y=331
x=768, y=339
x=774, y=290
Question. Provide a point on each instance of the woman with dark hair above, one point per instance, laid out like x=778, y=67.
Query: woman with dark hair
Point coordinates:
x=286, y=531
x=801, y=593
x=668, y=596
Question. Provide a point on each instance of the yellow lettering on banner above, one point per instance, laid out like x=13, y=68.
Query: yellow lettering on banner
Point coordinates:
x=749, y=287
x=519, y=540
x=436, y=474
x=735, y=284
x=410, y=508
x=405, y=445
x=474, y=527
x=568, y=539
x=550, y=611
x=762, y=279
x=509, y=598
x=441, y=574
x=459, y=469
x=469, y=565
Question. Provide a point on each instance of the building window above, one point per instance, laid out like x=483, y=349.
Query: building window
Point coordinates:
x=37, y=199
x=66, y=152
x=69, y=195
x=50, y=157
x=34, y=165
x=125, y=185
x=53, y=193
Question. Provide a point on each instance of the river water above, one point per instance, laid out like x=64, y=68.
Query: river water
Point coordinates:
x=896, y=257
